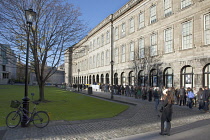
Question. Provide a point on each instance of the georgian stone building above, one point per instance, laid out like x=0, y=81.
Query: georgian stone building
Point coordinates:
x=8, y=62
x=147, y=43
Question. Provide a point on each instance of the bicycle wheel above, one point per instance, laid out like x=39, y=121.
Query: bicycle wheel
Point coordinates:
x=13, y=119
x=41, y=119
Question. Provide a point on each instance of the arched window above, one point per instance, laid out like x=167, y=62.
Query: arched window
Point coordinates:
x=187, y=76
x=85, y=80
x=116, y=79
x=206, y=75
x=102, y=79
x=153, y=78
x=94, y=80
x=90, y=79
x=131, y=78
x=168, y=77
x=82, y=80
x=141, y=78
x=97, y=78
x=107, y=78
x=123, y=79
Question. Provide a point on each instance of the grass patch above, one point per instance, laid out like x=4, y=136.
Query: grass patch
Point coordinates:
x=62, y=105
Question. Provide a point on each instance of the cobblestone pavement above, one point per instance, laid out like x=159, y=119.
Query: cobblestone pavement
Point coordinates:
x=139, y=118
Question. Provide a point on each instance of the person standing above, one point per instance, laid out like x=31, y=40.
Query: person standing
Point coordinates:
x=150, y=91
x=200, y=98
x=156, y=97
x=166, y=115
x=190, y=96
x=182, y=93
x=206, y=99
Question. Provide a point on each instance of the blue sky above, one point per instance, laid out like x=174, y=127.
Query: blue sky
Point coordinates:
x=94, y=11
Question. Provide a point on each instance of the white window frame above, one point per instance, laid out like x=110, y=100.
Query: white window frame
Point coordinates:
x=132, y=48
x=116, y=33
x=107, y=57
x=167, y=8
x=187, y=35
x=168, y=40
x=207, y=29
x=132, y=25
x=98, y=60
x=102, y=59
x=153, y=46
x=141, y=48
x=123, y=47
x=107, y=37
x=185, y=3
x=123, y=29
x=94, y=44
x=98, y=42
x=153, y=14
x=102, y=40
x=141, y=20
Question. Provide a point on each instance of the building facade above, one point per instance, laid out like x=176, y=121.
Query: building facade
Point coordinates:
x=146, y=43
x=8, y=62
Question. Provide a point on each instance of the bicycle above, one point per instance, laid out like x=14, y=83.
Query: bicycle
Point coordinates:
x=39, y=118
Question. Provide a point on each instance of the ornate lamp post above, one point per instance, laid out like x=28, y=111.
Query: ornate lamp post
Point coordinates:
x=30, y=16
x=112, y=62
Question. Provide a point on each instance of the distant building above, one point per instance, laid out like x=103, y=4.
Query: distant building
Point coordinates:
x=8, y=62
x=146, y=43
x=56, y=78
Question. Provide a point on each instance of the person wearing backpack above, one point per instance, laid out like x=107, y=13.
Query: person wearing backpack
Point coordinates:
x=190, y=96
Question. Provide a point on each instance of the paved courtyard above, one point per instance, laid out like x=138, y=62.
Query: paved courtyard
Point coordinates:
x=141, y=117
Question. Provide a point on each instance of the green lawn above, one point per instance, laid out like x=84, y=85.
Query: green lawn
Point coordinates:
x=62, y=105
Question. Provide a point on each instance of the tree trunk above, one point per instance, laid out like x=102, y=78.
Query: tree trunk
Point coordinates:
x=41, y=91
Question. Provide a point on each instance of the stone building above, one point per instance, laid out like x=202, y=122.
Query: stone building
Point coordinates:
x=147, y=43
x=8, y=62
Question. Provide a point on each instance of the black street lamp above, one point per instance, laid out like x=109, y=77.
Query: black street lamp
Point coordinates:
x=30, y=16
x=112, y=62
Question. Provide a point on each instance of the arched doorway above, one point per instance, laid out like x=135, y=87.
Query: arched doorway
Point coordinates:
x=102, y=79
x=90, y=80
x=187, y=76
x=123, y=79
x=141, y=78
x=85, y=80
x=107, y=78
x=116, y=79
x=168, y=77
x=206, y=76
x=153, y=78
x=97, y=78
x=94, y=80
x=131, y=78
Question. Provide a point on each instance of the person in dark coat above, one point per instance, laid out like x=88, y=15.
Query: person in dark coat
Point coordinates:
x=200, y=98
x=206, y=99
x=166, y=115
x=150, y=94
x=182, y=94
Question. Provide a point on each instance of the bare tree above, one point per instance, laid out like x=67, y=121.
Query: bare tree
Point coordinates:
x=57, y=26
x=143, y=61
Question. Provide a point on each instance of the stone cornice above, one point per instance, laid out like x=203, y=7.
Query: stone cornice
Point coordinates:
x=116, y=15
x=107, y=20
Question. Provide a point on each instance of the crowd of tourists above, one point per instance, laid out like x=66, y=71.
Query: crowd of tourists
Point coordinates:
x=182, y=97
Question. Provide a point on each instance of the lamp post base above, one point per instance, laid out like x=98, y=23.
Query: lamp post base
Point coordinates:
x=26, y=107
